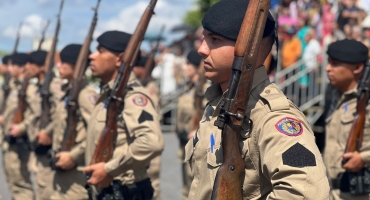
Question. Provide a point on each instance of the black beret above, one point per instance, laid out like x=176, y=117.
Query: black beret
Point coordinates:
x=5, y=59
x=69, y=54
x=348, y=51
x=114, y=40
x=225, y=18
x=38, y=57
x=194, y=58
x=142, y=61
x=20, y=59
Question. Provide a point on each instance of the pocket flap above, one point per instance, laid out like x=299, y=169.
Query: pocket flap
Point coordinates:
x=215, y=159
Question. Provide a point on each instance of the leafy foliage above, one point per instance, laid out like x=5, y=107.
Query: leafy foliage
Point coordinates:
x=194, y=17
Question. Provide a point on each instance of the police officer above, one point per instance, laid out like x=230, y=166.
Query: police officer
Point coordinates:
x=139, y=136
x=277, y=145
x=16, y=157
x=345, y=66
x=185, y=113
x=69, y=180
x=39, y=162
x=153, y=90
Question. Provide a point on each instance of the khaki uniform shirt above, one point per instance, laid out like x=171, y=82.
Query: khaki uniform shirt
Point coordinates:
x=338, y=127
x=86, y=102
x=139, y=137
x=278, y=147
x=153, y=91
x=34, y=108
x=11, y=104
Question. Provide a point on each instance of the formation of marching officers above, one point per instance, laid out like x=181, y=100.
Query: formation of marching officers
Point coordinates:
x=276, y=143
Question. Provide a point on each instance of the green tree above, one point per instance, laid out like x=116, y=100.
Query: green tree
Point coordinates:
x=194, y=17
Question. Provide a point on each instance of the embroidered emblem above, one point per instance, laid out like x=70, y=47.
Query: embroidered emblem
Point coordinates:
x=140, y=100
x=345, y=107
x=212, y=142
x=92, y=99
x=289, y=126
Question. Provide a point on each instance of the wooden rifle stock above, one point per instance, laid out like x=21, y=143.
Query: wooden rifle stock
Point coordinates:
x=198, y=97
x=354, y=141
x=43, y=35
x=105, y=146
x=149, y=65
x=70, y=133
x=49, y=63
x=230, y=176
x=19, y=112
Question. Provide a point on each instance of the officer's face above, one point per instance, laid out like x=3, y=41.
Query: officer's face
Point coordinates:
x=32, y=70
x=3, y=68
x=104, y=64
x=341, y=74
x=65, y=70
x=15, y=70
x=218, y=53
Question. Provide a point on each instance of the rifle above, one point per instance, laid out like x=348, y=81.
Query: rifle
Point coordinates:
x=70, y=133
x=43, y=35
x=45, y=93
x=230, y=175
x=149, y=65
x=18, y=37
x=7, y=76
x=105, y=146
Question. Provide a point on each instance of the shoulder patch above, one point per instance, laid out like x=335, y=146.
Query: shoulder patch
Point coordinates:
x=289, y=126
x=145, y=116
x=140, y=100
x=298, y=156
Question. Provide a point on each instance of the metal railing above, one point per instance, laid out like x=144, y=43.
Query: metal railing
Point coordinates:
x=305, y=87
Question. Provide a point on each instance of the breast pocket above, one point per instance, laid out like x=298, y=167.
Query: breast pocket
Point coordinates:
x=214, y=161
x=346, y=125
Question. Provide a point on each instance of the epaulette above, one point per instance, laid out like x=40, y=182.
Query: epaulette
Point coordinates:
x=275, y=98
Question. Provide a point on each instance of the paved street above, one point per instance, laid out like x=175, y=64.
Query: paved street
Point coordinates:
x=170, y=174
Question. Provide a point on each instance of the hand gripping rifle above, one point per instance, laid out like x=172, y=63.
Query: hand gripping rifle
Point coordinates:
x=356, y=183
x=105, y=145
x=7, y=76
x=70, y=132
x=230, y=175
x=149, y=65
x=45, y=91
x=43, y=35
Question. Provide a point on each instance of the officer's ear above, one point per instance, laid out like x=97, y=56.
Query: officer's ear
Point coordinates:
x=119, y=59
x=359, y=68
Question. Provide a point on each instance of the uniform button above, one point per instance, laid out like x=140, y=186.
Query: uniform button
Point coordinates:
x=267, y=91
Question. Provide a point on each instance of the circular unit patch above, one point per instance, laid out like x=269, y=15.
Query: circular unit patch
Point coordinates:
x=140, y=100
x=289, y=126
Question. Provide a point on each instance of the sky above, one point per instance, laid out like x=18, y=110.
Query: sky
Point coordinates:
x=76, y=18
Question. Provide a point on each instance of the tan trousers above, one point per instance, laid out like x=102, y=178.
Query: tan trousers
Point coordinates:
x=187, y=176
x=17, y=173
x=43, y=176
x=153, y=173
x=69, y=185
x=338, y=195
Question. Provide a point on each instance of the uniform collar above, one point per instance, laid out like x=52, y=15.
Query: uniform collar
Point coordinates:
x=260, y=75
x=105, y=88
